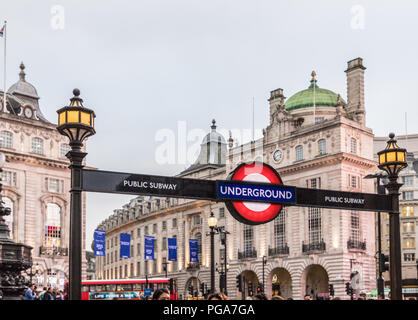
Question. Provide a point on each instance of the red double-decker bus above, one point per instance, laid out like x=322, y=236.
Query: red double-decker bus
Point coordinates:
x=123, y=289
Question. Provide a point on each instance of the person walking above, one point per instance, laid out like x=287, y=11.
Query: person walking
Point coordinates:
x=42, y=293
x=48, y=294
x=30, y=292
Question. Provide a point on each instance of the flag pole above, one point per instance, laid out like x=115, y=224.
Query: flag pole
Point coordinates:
x=4, y=70
x=314, y=102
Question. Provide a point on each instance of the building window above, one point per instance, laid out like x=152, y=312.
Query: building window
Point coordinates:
x=279, y=229
x=221, y=212
x=355, y=227
x=174, y=223
x=64, y=148
x=314, y=225
x=353, y=145
x=164, y=246
x=196, y=220
x=146, y=267
x=409, y=227
x=37, y=146
x=299, y=153
x=146, y=230
x=164, y=225
x=6, y=139
x=409, y=243
x=8, y=203
x=408, y=195
x=322, y=147
x=248, y=239
x=408, y=180
x=138, y=268
x=52, y=226
x=54, y=185
x=138, y=232
x=314, y=183
x=8, y=178
x=408, y=211
x=154, y=228
x=138, y=249
x=154, y=266
x=409, y=257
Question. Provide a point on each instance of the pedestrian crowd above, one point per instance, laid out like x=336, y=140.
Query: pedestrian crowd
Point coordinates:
x=47, y=293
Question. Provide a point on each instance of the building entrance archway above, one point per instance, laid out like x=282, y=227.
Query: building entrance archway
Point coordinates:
x=315, y=282
x=280, y=283
x=250, y=283
x=192, y=288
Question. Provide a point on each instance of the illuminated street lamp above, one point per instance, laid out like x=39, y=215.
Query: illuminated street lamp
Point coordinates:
x=77, y=123
x=392, y=160
x=212, y=225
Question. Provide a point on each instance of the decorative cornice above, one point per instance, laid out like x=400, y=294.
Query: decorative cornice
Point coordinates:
x=31, y=158
x=327, y=160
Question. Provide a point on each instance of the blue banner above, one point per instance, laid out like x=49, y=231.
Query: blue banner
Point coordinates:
x=125, y=245
x=172, y=249
x=193, y=245
x=99, y=242
x=149, y=248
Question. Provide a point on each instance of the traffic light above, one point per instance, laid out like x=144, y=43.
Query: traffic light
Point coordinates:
x=331, y=290
x=259, y=288
x=250, y=288
x=171, y=285
x=347, y=288
x=239, y=283
x=202, y=288
x=383, y=265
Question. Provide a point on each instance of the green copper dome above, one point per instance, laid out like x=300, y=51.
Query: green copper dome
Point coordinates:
x=305, y=98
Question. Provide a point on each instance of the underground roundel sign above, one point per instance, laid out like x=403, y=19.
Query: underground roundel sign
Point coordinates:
x=254, y=212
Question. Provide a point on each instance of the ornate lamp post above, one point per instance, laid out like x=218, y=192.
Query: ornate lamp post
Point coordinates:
x=212, y=225
x=393, y=160
x=14, y=257
x=77, y=123
x=31, y=274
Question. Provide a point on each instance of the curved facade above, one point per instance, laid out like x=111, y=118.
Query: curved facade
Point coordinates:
x=303, y=249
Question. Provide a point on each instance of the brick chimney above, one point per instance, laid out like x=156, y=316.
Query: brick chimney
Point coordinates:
x=355, y=90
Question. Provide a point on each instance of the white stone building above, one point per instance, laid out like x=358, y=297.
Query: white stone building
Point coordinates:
x=314, y=139
x=36, y=182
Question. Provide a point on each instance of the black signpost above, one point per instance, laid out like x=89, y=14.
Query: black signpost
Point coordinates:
x=139, y=184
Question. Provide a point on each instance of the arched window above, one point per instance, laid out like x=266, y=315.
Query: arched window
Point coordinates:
x=8, y=203
x=53, y=225
x=322, y=147
x=6, y=139
x=37, y=146
x=299, y=153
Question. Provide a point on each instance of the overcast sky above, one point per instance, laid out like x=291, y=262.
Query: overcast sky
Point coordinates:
x=142, y=66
